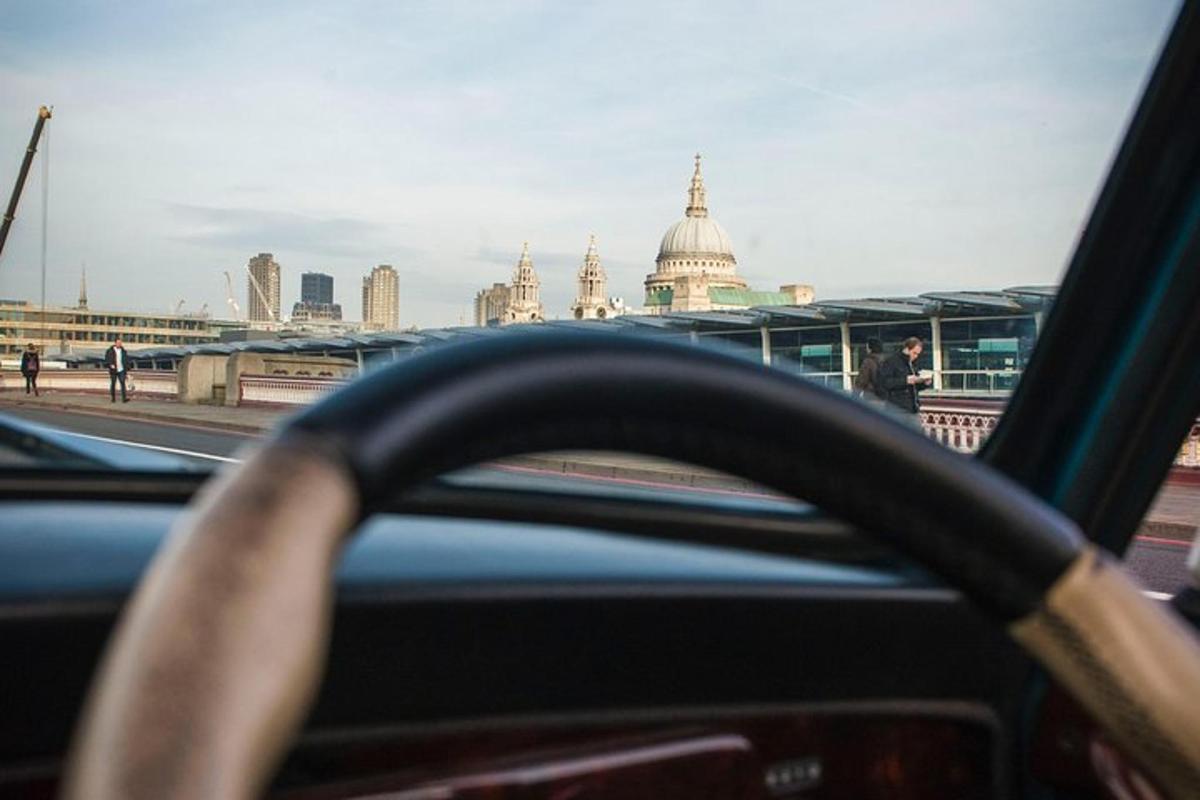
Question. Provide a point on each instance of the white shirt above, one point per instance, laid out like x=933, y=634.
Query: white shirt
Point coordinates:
x=119, y=358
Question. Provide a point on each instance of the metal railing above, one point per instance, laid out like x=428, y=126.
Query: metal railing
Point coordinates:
x=960, y=423
x=964, y=425
x=998, y=382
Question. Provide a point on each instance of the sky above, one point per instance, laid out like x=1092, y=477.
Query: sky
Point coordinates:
x=871, y=148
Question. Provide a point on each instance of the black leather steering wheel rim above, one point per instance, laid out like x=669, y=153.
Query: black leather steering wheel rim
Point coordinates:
x=538, y=391
x=219, y=653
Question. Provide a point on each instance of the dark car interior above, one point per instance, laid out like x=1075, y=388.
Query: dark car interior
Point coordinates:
x=343, y=615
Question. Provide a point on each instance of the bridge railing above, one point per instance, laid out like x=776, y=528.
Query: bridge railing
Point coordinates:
x=964, y=425
x=961, y=425
x=284, y=390
x=160, y=384
x=1189, y=452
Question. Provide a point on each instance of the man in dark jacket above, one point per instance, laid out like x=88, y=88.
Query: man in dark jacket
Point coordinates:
x=116, y=358
x=866, y=384
x=900, y=380
x=31, y=365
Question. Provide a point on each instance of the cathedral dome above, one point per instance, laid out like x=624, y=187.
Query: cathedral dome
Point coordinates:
x=695, y=236
x=697, y=242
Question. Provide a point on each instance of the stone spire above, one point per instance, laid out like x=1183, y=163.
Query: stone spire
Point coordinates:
x=82, y=286
x=524, y=261
x=592, y=280
x=524, y=302
x=525, y=279
x=697, y=201
x=591, y=301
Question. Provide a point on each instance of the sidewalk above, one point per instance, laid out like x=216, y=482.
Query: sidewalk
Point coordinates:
x=228, y=418
x=1174, y=515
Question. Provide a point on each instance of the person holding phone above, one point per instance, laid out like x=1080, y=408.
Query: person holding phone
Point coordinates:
x=899, y=379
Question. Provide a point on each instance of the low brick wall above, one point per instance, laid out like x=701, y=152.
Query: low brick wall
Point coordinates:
x=162, y=384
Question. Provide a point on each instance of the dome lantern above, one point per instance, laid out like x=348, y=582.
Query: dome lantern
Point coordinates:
x=695, y=252
x=697, y=201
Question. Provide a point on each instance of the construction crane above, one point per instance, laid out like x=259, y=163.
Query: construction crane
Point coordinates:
x=233, y=304
x=9, y=215
x=178, y=308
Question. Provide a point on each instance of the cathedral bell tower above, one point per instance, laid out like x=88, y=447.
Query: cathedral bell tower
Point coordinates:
x=591, y=299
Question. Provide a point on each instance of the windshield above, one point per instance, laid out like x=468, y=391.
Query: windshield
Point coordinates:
x=222, y=216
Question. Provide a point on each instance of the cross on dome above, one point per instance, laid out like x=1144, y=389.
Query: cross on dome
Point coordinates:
x=697, y=200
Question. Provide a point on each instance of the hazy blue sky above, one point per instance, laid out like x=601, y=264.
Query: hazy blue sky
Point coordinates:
x=865, y=148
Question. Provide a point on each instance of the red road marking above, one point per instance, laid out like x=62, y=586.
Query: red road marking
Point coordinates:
x=1162, y=540
x=1184, y=476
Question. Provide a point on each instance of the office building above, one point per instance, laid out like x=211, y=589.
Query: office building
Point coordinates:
x=381, y=299
x=56, y=330
x=262, y=288
x=316, y=287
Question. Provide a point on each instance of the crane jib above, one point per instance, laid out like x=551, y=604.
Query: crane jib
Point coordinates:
x=10, y=214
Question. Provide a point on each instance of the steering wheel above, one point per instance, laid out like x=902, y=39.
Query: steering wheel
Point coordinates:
x=219, y=653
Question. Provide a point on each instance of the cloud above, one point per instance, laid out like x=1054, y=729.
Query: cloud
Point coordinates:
x=852, y=146
x=256, y=229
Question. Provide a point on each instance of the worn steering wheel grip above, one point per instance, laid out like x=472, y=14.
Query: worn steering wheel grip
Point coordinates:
x=218, y=655
x=536, y=392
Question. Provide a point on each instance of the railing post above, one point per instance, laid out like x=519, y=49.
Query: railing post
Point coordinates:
x=935, y=325
x=847, y=378
x=764, y=334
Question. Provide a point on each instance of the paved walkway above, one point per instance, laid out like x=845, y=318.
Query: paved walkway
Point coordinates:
x=241, y=420
x=1174, y=515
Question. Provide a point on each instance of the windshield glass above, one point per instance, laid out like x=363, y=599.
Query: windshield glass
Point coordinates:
x=222, y=216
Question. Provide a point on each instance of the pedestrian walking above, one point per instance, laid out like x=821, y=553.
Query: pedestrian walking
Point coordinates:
x=899, y=379
x=31, y=365
x=116, y=358
x=866, y=384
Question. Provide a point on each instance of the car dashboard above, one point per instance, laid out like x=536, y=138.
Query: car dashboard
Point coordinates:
x=479, y=657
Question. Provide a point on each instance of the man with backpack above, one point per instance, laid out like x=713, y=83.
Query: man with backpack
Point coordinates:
x=31, y=365
x=866, y=383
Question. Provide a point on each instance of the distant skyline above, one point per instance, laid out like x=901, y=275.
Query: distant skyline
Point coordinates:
x=876, y=148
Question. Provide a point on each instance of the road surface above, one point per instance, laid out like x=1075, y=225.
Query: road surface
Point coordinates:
x=1157, y=560
x=193, y=443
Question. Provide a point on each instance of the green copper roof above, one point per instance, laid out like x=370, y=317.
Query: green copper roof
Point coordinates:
x=660, y=297
x=725, y=296
x=747, y=297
